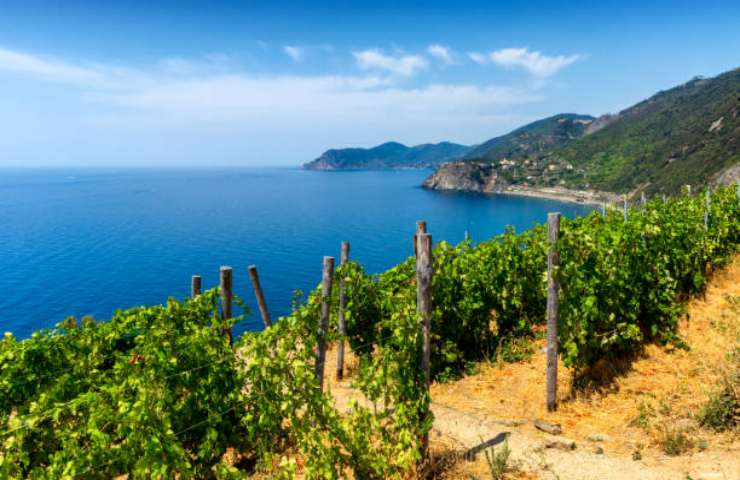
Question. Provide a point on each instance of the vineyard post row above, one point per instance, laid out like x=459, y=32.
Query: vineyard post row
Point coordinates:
x=643, y=202
x=422, y=243
x=424, y=271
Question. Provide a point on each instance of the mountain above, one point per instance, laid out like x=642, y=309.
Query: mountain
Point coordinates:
x=388, y=155
x=689, y=134
x=533, y=139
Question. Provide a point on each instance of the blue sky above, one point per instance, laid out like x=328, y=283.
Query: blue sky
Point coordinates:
x=273, y=83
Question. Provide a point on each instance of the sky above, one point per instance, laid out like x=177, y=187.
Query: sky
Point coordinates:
x=187, y=83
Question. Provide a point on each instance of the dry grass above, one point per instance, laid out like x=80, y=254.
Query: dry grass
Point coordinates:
x=663, y=388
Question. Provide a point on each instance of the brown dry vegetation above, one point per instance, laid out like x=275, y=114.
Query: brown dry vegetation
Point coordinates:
x=647, y=404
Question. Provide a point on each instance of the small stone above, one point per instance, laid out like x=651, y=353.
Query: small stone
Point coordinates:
x=596, y=437
x=636, y=455
x=598, y=450
x=560, y=443
x=551, y=428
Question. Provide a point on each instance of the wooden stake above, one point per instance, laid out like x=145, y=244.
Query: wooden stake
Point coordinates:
x=642, y=199
x=625, y=208
x=553, y=304
x=326, y=280
x=421, y=227
x=707, y=208
x=688, y=190
x=424, y=273
x=226, y=295
x=195, y=284
x=254, y=277
x=342, y=327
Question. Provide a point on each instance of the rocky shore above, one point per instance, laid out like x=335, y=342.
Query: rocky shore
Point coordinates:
x=484, y=178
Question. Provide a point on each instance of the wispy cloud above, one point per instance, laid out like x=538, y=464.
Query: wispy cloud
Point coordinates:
x=252, y=96
x=213, y=95
x=296, y=53
x=206, y=83
x=91, y=75
x=478, y=57
x=188, y=66
x=534, y=62
x=441, y=52
x=404, y=65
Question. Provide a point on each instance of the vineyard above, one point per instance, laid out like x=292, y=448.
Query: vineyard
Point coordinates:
x=160, y=392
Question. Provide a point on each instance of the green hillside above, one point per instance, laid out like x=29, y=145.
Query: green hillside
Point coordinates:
x=684, y=135
x=534, y=138
x=388, y=155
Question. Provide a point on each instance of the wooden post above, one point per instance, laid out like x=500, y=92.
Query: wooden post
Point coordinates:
x=195, y=284
x=342, y=327
x=226, y=294
x=424, y=307
x=688, y=190
x=421, y=227
x=642, y=199
x=553, y=304
x=707, y=207
x=326, y=279
x=664, y=198
x=625, y=207
x=254, y=277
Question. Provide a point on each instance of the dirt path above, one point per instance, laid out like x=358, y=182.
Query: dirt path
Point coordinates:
x=633, y=409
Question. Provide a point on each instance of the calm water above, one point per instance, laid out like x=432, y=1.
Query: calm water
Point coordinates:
x=89, y=241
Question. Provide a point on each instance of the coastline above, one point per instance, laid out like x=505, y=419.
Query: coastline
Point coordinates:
x=581, y=197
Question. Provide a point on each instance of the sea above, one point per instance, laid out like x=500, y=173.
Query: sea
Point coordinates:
x=89, y=241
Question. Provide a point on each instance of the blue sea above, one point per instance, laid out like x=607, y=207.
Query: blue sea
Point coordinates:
x=90, y=241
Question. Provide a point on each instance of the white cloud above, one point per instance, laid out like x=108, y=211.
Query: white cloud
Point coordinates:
x=187, y=66
x=195, y=101
x=404, y=65
x=296, y=53
x=534, y=62
x=200, y=85
x=441, y=52
x=252, y=96
x=478, y=57
x=62, y=72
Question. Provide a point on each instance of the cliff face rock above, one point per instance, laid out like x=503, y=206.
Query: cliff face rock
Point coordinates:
x=465, y=176
x=601, y=122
